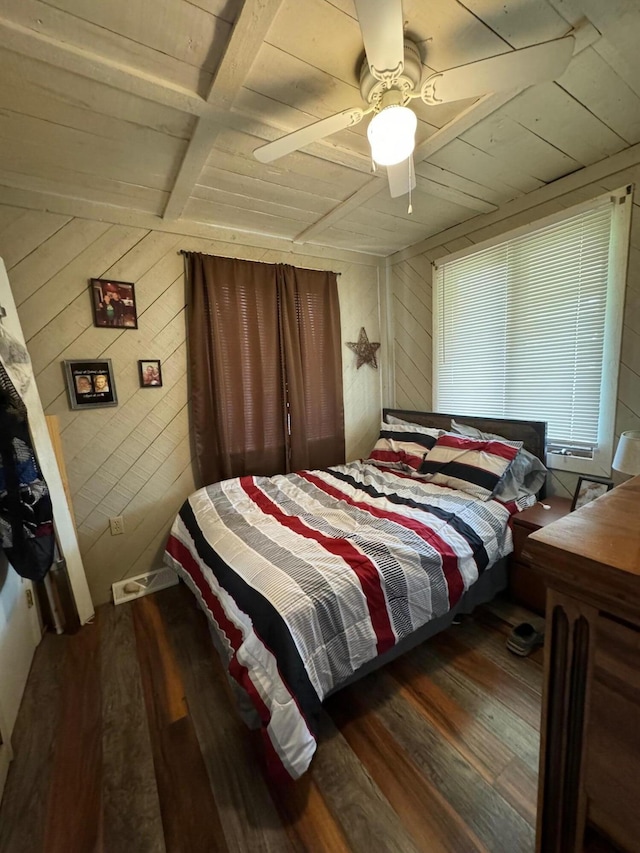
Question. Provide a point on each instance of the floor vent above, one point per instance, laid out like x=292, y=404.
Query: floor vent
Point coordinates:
x=136, y=587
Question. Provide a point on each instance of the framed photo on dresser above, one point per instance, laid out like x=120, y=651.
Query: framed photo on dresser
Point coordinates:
x=588, y=489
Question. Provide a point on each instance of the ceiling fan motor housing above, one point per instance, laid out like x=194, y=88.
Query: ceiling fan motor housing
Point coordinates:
x=407, y=80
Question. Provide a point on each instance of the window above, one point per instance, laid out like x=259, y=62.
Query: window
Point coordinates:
x=529, y=326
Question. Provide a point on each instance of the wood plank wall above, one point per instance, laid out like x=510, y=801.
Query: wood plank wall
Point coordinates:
x=135, y=460
x=410, y=283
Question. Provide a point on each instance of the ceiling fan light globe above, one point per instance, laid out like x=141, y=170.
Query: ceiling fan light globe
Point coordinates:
x=392, y=135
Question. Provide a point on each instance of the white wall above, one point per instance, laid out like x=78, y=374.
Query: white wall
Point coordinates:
x=135, y=459
x=19, y=636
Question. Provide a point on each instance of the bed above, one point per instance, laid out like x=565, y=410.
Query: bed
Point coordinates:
x=311, y=580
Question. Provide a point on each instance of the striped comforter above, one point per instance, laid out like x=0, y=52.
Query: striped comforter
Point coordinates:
x=308, y=576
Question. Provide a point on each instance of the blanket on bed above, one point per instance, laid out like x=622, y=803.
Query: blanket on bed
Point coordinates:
x=308, y=576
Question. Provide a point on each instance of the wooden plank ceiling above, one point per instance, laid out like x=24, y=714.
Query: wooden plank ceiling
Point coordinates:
x=154, y=107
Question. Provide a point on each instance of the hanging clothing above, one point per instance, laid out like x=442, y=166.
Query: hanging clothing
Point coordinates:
x=26, y=515
x=14, y=355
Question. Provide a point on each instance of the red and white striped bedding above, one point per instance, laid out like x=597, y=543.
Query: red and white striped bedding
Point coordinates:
x=472, y=465
x=308, y=576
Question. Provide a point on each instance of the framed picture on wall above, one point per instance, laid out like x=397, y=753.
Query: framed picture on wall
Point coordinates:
x=113, y=303
x=588, y=489
x=90, y=383
x=150, y=373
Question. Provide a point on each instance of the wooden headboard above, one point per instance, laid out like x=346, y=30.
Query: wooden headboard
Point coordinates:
x=532, y=433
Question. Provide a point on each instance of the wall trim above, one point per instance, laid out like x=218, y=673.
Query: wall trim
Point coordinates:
x=387, y=329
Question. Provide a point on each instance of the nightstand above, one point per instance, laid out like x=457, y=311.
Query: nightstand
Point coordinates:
x=525, y=583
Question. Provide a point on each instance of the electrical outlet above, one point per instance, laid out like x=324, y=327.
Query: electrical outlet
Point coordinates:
x=29, y=598
x=117, y=525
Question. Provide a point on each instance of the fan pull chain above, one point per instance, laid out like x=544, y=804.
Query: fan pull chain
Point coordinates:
x=410, y=208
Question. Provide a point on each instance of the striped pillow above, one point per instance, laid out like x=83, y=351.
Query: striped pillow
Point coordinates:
x=471, y=465
x=403, y=447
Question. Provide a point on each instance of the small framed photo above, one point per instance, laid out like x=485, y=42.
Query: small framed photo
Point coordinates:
x=113, y=303
x=588, y=489
x=90, y=383
x=150, y=373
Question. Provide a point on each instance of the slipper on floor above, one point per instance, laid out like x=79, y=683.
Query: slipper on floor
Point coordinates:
x=524, y=638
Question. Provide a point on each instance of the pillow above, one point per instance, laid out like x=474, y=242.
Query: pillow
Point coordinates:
x=472, y=465
x=525, y=476
x=403, y=446
x=473, y=432
x=392, y=419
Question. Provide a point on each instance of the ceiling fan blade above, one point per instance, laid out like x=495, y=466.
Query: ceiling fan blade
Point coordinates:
x=515, y=70
x=382, y=28
x=402, y=177
x=306, y=135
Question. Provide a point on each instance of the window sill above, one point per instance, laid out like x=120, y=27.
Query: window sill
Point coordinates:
x=599, y=465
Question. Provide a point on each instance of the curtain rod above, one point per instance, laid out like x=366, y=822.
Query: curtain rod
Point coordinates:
x=187, y=252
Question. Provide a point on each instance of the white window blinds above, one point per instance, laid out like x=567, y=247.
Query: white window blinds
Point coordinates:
x=519, y=327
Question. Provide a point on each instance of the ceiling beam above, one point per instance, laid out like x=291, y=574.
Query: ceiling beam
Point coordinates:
x=249, y=31
x=159, y=90
x=373, y=187
x=462, y=199
x=585, y=35
x=36, y=199
x=468, y=118
x=357, y=199
x=79, y=60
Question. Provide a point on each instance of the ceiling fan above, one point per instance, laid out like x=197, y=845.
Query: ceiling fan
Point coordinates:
x=391, y=77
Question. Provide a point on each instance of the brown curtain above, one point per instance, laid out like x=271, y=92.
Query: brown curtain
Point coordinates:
x=310, y=330
x=264, y=361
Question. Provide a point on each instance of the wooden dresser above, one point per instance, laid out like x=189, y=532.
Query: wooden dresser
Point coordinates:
x=590, y=750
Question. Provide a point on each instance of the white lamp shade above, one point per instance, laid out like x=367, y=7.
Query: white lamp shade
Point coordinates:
x=627, y=458
x=392, y=135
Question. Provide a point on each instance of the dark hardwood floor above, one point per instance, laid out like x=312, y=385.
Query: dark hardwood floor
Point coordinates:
x=127, y=741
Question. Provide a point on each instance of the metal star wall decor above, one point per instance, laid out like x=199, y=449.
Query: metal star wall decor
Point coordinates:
x=365, y=350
